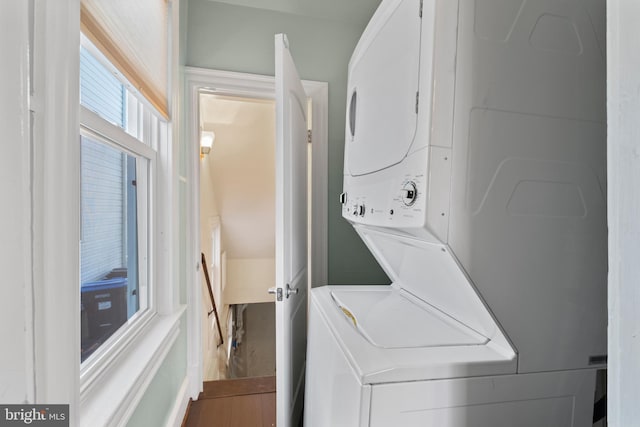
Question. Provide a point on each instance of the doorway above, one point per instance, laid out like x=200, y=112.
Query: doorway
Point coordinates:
x=234, y=87
x=237, y=217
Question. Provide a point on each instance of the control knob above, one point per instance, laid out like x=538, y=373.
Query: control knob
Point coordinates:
x=409, y=193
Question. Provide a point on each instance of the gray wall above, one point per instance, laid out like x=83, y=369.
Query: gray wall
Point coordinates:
x=236, y=38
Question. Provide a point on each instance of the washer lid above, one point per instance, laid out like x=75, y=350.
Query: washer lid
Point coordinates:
x=383, y=89
x=390, y=319
x=430, y=272
x=373, y=364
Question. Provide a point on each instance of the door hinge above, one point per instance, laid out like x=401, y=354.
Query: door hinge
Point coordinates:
x=309, y=136
x=417, y=101
x=420, y=13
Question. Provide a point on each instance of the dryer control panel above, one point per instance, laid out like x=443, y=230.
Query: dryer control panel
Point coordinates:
x=394, y=197
x=412, y=196
x=402, y=206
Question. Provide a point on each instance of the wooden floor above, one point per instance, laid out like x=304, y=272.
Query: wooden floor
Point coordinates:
x=243, y=402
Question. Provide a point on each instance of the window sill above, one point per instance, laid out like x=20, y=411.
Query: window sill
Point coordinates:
x=117, y=393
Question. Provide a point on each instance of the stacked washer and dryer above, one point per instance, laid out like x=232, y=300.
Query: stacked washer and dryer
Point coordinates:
x=475, y=173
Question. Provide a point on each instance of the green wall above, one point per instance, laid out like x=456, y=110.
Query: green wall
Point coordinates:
x=235, y=38
x=160, y=397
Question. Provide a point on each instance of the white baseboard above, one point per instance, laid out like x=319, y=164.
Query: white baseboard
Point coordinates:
x=177, y=414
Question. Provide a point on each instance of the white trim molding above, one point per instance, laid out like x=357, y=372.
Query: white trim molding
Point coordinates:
x=55, y=208
x=199, y=80
x=16, y=253
x=319, y=94
x=623, y=211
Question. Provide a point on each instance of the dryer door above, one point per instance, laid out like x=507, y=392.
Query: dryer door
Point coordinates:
x=383, y=89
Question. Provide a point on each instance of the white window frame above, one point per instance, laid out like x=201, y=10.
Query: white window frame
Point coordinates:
x=94, y=127
x=114, y=381
x=48, y=35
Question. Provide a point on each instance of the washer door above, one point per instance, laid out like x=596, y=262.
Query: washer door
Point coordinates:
x=383, y=87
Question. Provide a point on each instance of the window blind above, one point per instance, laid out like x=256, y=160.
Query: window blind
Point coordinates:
x=133, y=35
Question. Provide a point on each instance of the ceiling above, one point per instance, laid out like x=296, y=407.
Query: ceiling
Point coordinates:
x=217, y=110
x=352, y=11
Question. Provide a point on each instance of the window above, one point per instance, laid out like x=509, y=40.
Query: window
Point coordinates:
x=120, y=134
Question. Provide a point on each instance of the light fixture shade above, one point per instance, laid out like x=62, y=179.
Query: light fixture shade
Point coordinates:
x=206, y=141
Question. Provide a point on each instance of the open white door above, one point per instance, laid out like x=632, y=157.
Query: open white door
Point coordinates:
x=291, y=237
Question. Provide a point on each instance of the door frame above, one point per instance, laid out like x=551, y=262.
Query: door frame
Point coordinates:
x=250, y=86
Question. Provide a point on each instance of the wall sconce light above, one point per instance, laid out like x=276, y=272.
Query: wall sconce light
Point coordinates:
x=206, y=141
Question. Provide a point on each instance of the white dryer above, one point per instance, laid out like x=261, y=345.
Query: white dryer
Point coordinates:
x=475, y=174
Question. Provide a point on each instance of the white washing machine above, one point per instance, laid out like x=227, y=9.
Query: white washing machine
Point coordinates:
x=475, y=174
